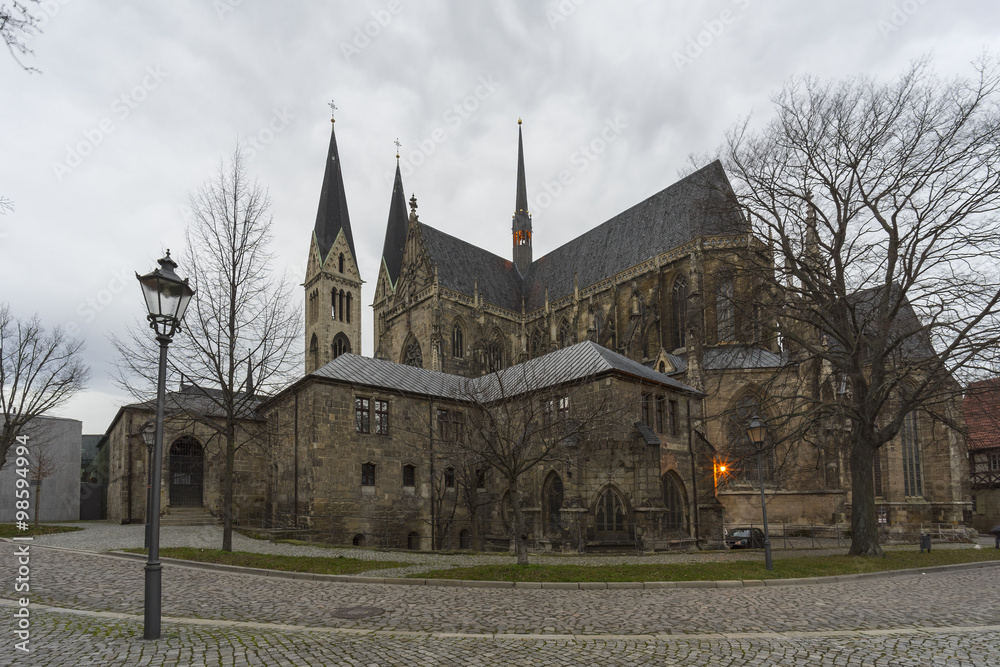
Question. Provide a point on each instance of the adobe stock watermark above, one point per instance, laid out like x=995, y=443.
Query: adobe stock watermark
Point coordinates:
x=88, y=309
x=899, y=16
x=560, y=12
x=121, y=108
x=262, y=138
x=371, y=30
x=224, y=7
x=22, y=554
x=712, y=29
x=45, y=11
x=579, y=161
x=453, y=117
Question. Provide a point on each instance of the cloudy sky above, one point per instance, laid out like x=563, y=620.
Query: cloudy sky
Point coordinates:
x=137, y=102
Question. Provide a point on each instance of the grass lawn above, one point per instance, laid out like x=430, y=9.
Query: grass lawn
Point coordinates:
x=11, y=530
x=784, y=568
x=313, y=564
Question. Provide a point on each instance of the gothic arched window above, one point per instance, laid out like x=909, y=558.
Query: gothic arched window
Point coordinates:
x=725, y=316
x=340, y=263
x=340, y=345
x=535, y=346
x=333, y=304
x=678, y=308
x=494, y=353
x=913, y=482
x=610, y=513
x=314, y=351
x=741, y=450
x=412, y=356
x=349, y=307
x=673, y=498
x=553, y=494
x=457, y=341
x=565, y=334
x=341, y=305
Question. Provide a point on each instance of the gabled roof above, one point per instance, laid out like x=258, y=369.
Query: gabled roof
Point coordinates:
x=569, y=364
x=332, y=216
x=195, y=400
x=702, y=204
x=461, y=266
x=981, y=407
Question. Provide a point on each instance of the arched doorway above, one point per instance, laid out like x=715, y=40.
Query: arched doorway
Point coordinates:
x=187, y=470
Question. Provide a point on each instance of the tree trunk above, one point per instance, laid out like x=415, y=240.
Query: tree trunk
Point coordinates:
x=227, y=494
x=864, y=525
x=38, y=500
x=520, y=533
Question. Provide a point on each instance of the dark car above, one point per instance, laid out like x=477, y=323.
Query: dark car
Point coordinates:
x=745, y=538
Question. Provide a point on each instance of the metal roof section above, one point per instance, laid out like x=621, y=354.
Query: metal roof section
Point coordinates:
x=569, y=364
x=730, y=357
x=647, y=434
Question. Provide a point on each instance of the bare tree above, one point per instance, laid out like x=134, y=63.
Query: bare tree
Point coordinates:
x=879, y=201
x=39, y=371
x=239, y=318
x=18, y=23
x=43, y=464
x=520, y=421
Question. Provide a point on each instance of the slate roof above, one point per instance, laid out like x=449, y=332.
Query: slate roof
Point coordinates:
x=460, y=265
x=981, y=407
x=561, y=366
x=332, y=215
x=196, y=400
x=730, y=357
x=906, y=329
x=702, y=204
x=648, y=436
x=395, y=230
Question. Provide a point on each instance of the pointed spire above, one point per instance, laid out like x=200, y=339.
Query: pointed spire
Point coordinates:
x=395, y=228
x=521, y=226
x=332, y=216
x=249, y=386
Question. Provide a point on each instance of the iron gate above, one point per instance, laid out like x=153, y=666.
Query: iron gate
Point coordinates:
x=187, y=470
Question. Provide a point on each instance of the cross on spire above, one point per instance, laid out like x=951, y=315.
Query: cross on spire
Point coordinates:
x=397, y=147
x=333, y=110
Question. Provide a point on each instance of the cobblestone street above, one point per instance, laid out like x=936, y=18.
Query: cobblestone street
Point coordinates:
x=211, y=618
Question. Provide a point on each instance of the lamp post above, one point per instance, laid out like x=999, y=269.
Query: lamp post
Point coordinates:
x=757, y=431
x=167, y=297
x=149, y=438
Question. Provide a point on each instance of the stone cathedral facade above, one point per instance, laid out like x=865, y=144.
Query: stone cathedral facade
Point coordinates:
x=649, y=300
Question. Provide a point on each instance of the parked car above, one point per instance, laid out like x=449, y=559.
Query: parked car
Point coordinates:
x=745, y=538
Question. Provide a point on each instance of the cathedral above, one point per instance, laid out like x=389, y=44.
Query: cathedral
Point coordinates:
x=646, y=306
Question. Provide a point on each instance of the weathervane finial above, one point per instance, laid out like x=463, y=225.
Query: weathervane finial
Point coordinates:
x=397, y=147
x=333, y=109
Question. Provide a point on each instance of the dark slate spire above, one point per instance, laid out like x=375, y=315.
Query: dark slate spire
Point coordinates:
x=522, y=219
x=332, y=215
x=395, y=229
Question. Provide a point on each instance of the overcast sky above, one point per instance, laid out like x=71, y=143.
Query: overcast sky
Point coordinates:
x=137, y=102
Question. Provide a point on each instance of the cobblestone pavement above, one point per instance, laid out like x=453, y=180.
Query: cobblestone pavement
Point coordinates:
x=210, y=618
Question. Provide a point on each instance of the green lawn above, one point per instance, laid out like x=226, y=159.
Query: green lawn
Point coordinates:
x=313, y=564
x=784, y=568
x=11, y=530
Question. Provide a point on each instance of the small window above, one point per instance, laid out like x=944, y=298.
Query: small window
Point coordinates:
x=480, y=479
x=340, y=296
x=673, y=418
x=349, y=307
x=647, y=399
x=340, y=263
x=367, y=474
x=333, y=304
x=409, y=476
x=362, y=415
x=449, y=478
x=451, y=425
x=659, y=414
x=382, y=417
x=562, y=407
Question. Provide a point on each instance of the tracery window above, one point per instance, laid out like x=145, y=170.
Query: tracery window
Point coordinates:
x=610, y=513
x=678, y=304
x=673, y=498
x=565, y=334
x=412, y=356
x=457, y=341
x=913, y=474
x=725, y=317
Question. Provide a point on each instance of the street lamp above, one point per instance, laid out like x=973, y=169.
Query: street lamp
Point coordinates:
x=757, y=432
x=149, y=438
x=167, y=297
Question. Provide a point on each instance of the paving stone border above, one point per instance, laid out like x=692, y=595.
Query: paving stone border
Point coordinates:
x=555, y=585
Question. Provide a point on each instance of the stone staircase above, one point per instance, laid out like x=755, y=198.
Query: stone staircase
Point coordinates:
x=188, y=516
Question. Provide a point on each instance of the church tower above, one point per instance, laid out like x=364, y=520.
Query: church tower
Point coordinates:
x=522, y=219
x=333, y=281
